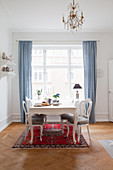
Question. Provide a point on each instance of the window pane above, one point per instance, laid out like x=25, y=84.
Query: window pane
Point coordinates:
x=57, y=83
x=37, y=57
x=57, y=57
x=37, y=81
x=77, y=57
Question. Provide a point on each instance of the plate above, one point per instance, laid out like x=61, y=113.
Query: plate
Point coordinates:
x=38, y=105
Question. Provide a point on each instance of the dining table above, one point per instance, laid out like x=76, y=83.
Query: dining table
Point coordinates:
x=53, y=110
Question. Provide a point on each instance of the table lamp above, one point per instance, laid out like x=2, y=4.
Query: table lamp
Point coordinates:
x=77, y=86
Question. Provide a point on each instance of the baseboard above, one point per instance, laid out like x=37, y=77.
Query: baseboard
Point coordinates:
x=16, y=118
x=98, y=117
x=5, y=122
x=110, y=119
x=101, y=117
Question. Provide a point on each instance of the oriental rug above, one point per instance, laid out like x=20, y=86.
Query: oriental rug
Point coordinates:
x=52, y=138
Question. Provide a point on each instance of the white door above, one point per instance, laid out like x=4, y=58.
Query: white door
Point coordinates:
x=110, y=91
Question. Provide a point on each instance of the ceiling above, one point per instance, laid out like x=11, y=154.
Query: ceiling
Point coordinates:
x=46, y=15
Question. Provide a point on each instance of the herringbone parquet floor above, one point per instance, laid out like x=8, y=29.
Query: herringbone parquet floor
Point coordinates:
x=93, y=158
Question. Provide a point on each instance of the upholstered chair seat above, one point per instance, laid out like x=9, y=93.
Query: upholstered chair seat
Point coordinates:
x=70, y=118
x=66, y=116
x=43, y=115
x=82, y=120
x=37, y=120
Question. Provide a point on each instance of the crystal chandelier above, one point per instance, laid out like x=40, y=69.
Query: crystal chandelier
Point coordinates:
x=75, y=17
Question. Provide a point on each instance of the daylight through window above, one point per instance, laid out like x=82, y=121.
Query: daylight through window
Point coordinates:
x=55, y=69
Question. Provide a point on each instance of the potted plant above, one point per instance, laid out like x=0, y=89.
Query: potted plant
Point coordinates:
x=39, y=92
x=56, y=96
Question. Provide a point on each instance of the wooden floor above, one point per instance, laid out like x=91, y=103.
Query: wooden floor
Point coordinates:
x=93, y=158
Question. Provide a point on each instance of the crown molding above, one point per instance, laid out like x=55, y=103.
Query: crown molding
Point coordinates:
x=86, y=30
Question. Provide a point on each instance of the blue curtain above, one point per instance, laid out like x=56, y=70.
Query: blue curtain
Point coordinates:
x=90, y=77
x=25, y=73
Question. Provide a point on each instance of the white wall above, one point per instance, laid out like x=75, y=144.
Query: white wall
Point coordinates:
x=105, y=52
x=5, y=84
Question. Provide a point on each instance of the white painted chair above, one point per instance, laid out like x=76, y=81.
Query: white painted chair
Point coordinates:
x=29, y=104
x=37, y=120
x=64, y=117
x=26, y=118
x=83, y=117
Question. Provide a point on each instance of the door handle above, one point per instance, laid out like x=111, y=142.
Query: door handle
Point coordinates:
x=109, y=92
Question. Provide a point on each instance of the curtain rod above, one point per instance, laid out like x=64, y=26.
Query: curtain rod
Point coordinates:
x=57, y=41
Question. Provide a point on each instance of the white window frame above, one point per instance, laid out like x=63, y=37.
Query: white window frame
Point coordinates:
x=68, y=66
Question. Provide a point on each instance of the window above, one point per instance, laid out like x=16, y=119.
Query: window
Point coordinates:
x=55, y=69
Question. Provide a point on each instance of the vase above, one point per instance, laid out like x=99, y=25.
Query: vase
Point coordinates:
x=39, y=97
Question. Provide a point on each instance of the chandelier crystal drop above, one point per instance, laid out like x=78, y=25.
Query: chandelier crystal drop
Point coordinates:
x=75, y=17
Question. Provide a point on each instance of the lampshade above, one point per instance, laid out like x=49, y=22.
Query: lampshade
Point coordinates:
x=77, y=86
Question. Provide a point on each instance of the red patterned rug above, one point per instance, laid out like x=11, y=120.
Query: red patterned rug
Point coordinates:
x=52, y=138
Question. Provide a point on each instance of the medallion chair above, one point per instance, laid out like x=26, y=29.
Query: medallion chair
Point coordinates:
x=83, y=119
x=37, y=120
x=85, y=107
x=65, y=117
x=29, y=104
